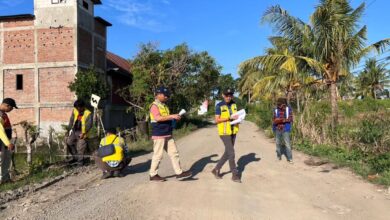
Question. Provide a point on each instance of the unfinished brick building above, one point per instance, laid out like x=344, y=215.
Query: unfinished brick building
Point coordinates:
x=41, y=53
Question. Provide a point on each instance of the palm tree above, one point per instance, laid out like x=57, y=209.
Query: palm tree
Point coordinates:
x=375, y=76
x=330, y=45
x=247, y=80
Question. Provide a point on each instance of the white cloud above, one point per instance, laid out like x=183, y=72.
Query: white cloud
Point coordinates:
x=139, y=14
x=167, y=2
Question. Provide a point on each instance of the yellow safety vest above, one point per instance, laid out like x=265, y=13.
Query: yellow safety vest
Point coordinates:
x=83, y=119
x=163, y=128
x=164, y=110
x=225, y=128
x=119, y=144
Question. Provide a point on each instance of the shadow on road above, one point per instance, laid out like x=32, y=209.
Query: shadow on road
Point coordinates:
x=137, y=168
x=198, y=167
x=243, y=162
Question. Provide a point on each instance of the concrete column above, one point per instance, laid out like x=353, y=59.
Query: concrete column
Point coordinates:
x=1, y=62
x=36, y=79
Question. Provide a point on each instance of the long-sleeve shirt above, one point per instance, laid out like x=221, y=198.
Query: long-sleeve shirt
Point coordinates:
x=5, y=127
x=88, y=123
x=283, y=113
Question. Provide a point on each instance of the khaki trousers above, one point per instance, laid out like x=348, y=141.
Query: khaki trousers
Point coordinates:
x=169, y=145
x=5, y=162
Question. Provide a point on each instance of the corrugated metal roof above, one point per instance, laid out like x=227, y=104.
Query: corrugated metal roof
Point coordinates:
x=101, y=20
x=115, y=61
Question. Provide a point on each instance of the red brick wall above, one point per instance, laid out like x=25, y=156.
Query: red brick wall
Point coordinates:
x=55, y=114
x=18, y=23
x=84, y=46
x=18, y=47
x=55, y=45
x=53, y=84
x=22, y=114
x=21, y=96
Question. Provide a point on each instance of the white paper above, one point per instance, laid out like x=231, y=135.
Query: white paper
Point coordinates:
x=237, y=121
x=241, y=117
x=182, y=112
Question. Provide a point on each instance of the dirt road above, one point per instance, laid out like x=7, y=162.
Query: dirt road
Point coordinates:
x=270, y=189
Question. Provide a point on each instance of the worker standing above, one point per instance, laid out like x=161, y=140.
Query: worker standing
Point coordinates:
x=80, y=124
x=282, y=125
x=6, y=146
x=227, y=132
x=162, y=127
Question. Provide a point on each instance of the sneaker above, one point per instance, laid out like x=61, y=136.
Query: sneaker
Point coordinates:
x=290, y=161
x=236, y=178
x=106, y=175
x=184, y=175
x=157, y=178
x=216, y=174
x=118, y=173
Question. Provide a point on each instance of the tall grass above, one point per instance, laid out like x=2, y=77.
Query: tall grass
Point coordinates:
x=361, y=140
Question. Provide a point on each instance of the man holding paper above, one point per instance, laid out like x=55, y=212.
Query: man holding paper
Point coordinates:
x=162, y=126
x=225, y=112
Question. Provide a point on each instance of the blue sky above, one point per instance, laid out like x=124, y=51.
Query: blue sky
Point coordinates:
x=228, y=29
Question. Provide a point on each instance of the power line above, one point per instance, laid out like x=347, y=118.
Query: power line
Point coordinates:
x=372, y=2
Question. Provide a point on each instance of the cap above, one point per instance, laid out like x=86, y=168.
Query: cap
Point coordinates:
x=79, y=103
x=11, y=102
x=111, y=130
x=281, y=101
x=163, y=90
x=228, y=91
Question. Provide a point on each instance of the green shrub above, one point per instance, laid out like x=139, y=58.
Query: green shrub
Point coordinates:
x=371, y=130
x=380, y=163
x=262, y=114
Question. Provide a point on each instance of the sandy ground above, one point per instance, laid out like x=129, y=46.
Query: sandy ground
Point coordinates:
x=270, y=189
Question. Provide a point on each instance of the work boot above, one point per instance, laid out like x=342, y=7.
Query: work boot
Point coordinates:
x=106, y=175
x=70, y=160
x=184, y=175
x=216, y=174
x=8, y=180
x=118, y=173
x=236, y=178
x=157, y=178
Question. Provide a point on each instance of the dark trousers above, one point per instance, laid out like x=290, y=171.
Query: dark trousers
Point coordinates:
x=77, y=146
x=105, y=168
x=228, y=155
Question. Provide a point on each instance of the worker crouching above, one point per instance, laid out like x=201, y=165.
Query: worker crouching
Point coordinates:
x=113, y=155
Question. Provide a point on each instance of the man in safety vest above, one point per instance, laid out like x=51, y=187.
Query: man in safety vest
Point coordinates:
x=227, y=132
x=80, y=124
x=282, y=124
x=6, y=146
x=162, y=127
x=112, y=165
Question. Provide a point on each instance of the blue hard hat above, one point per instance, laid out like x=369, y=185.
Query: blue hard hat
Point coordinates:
x=163, y=90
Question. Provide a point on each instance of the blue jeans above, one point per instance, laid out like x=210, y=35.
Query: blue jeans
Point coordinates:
x=280, y=149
